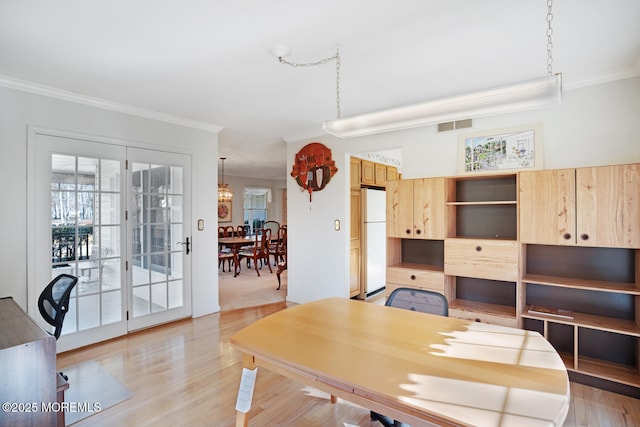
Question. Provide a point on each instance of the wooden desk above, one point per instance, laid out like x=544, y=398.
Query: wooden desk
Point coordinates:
x=417, y=368
x=28, y=360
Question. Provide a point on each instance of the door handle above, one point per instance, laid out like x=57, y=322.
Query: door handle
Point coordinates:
x=187, y=243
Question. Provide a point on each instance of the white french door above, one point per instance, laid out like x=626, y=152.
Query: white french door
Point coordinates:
x=114, y=228
x=159, y=237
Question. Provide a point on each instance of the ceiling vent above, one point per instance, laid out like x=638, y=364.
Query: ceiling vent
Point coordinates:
x=458, y=124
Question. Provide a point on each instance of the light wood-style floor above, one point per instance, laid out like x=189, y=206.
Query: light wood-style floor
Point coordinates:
x=186, y=373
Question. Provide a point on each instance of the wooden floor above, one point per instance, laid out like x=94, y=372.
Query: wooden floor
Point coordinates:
x=186, y=373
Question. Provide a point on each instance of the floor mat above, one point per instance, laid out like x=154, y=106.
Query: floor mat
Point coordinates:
x=91, y=389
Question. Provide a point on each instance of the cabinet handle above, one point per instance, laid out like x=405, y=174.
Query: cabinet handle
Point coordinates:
x=408, y=231
x=584, y=236
x=566, y=236
x=413, y=277
x=478, y=248
x=418, y=231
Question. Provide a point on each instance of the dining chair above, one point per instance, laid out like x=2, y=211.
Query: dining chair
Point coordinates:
x=243, y=230
x=420, y=300
x=278, y=247
x=259, y=252
x=274, y=226
x=224, y=253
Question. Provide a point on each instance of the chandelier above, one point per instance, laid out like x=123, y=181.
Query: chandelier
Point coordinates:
x=225, y=194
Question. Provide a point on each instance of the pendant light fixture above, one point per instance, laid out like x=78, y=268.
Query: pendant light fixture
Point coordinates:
x=225, y=194
x=522, y=96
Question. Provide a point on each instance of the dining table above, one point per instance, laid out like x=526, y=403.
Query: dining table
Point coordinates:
x=235, y=244
x=417, y=368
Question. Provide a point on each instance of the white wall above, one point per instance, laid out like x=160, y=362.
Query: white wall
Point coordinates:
x=238, y=184
x=20, y=109
x=595, y=125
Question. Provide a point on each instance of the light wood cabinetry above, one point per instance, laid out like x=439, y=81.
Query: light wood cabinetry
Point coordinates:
x=483, y=258
x=581, y=229
x=354, y=171
x=355, y=243
x=416, y=263
x=380, y=174
x=598, y=288
x=362, y=173
x=416, y=208
x=596, y=206
x=367, y=172
x=566, y=239
x=482, y=255
x=392, y=173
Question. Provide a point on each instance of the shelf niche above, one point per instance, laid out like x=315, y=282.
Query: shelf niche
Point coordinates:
x=588, y=263
x=427, y=252
x=494, y=292
x=484, y=207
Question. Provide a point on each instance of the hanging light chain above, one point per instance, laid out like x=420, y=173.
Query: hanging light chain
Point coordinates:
x=549, y=41
x=335, y=57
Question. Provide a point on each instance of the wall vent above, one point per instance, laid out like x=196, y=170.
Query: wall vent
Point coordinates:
x=458, y=124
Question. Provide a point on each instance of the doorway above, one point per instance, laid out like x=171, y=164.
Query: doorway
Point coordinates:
x=115, y=217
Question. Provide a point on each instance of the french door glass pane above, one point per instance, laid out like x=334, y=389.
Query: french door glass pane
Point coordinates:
x=157, y=226
x=86, y=237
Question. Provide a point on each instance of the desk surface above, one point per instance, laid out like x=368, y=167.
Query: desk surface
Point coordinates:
x=418, y=366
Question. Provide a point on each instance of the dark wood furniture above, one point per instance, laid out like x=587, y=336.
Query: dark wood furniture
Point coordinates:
x=260, y=250
x=28, y=358
x=235, y=243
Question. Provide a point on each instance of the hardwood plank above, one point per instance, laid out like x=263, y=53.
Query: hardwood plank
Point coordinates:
x=186, y=373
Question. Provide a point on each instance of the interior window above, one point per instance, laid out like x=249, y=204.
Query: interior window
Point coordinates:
x=255, y=207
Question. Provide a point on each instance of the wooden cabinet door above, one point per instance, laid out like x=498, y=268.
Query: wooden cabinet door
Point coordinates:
x=392, y=173
x=367, y=172
x=400, y=208
x=381, y=174
x=355, y=265
x=354, y=170
x=429, y=208
x=547, y=207
x=608, y=206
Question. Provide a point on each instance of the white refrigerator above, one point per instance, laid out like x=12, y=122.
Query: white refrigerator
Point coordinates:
x=374, y=235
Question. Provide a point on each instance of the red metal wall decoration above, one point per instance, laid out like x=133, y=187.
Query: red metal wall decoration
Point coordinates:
x=313, y=167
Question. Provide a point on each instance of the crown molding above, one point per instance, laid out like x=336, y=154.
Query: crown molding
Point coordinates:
x=630, y=73
x=300, y=136
x=104, y=104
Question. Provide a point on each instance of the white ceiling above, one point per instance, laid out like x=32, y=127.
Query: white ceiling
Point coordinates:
x=208, y=60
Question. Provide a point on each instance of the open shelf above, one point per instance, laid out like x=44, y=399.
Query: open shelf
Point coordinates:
x=602, y=323
x=592, y=285
x=624, y=374
x=416, y=266
x=504, y=202
x=483, y=312
x=483, y=307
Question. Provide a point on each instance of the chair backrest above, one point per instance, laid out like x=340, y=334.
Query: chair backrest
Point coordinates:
x=419, y=300
x=226, y=231
x=282, y=241
x=53, y=302
x=265, y=240
x=243, y=230
x=274, y=226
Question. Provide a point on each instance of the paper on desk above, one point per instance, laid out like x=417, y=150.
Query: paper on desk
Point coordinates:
x=245, y=393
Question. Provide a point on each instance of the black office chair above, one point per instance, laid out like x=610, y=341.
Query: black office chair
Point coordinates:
x=417, y=300
x=53, y=302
